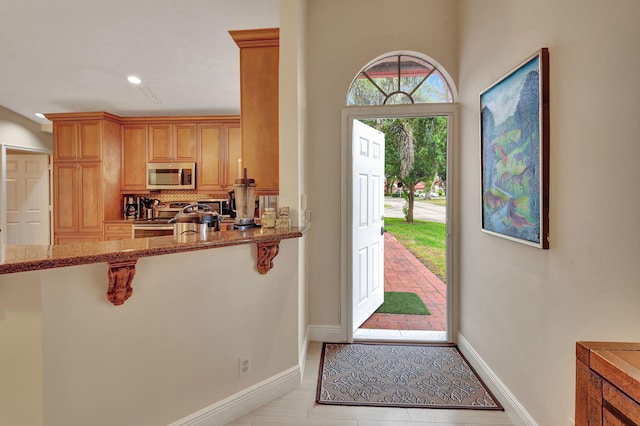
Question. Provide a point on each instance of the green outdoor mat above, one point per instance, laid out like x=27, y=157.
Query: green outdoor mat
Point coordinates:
x=399, y=302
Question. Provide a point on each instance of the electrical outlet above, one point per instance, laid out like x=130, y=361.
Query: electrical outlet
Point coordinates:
x=245, y=365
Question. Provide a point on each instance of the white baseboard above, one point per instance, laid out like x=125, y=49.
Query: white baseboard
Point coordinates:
x=516, y=411
x=326, y=333
x=304, y=348
x=241, y=403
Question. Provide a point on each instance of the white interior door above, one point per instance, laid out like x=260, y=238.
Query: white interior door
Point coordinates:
x=27, y=199
x=367, y=254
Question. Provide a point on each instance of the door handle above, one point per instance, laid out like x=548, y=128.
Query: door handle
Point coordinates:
x=382, y=230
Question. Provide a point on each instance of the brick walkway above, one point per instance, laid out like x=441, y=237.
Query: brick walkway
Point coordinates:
x=403, y=272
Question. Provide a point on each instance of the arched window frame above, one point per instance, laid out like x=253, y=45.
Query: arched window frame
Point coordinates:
x=387, y=62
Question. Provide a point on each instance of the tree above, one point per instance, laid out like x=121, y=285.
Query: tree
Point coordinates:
x=416, y=150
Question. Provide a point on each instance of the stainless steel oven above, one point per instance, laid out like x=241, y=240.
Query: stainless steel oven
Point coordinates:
x=151, y=229
x=159, y=225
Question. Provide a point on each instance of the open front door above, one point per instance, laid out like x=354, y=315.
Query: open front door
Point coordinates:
x=367, y=222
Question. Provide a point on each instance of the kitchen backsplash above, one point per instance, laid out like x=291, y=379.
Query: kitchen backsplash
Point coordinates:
x=182, y=195
x=192, y=196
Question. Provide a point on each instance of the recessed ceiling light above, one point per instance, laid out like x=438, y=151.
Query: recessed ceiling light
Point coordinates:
x=134, y=80
x=39, y=115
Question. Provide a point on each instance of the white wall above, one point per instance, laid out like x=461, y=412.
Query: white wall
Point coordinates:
x=172, y=349
x=20, y=350
x=16, y=130
x=522, y=308
x=343, y=36
x=292, y=127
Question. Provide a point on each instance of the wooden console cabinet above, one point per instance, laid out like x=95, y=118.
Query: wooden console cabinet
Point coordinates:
x=607, y=383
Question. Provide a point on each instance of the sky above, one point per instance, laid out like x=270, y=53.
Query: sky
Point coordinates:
x=503, y=98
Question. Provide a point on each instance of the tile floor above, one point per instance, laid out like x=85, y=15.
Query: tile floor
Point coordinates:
x=403, y=272
x=298, y=408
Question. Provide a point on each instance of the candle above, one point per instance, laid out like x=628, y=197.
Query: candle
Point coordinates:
x=239, y=168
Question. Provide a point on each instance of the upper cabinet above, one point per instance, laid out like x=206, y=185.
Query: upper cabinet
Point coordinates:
x=212, y=142
x=219, y=148
x=134, y=157
x=77, y=141
x=259, y=56
x=169, y=143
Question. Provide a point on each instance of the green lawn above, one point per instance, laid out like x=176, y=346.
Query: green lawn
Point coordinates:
x=426, y=240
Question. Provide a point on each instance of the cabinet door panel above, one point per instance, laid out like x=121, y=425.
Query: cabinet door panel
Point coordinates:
x=65, y=206
x=185, y=142
x=90, y=203
x=208, y=168
x=113, y=237
x=76, y=239
x=90, y=141
x=134, y=157
x=159, y=142
x=65, y=140
x=234, y=152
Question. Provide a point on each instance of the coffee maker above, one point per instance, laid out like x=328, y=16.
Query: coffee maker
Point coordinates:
x=131, y=207
x=242, y=201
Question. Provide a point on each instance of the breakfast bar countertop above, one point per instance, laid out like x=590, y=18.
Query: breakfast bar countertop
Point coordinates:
x=20, y=258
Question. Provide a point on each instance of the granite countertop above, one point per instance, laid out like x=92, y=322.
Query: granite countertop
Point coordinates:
x=28, y=258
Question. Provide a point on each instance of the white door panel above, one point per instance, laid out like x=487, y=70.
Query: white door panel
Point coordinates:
x=28, y=219
x=367, y=255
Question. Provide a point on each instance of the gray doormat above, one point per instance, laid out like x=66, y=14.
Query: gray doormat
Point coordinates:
x=400, y=375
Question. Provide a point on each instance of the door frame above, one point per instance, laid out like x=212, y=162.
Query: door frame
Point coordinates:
x=3, y=187
x=346, y=195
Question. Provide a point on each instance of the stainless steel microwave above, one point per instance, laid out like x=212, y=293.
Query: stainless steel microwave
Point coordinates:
x=171, y=175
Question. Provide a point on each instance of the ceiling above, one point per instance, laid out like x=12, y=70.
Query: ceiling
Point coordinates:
x=75, y=55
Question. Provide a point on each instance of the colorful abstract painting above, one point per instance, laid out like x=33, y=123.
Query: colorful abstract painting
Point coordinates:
x=514, y=146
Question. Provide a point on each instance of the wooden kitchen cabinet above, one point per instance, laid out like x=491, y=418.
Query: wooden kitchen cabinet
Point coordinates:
x=117, y=230
x=86, y=175
x=77, y=140
x=77, y=199
x=219, y=148
x=607, y=383
x=259, y=57
x=134, y=158
x=172, y=143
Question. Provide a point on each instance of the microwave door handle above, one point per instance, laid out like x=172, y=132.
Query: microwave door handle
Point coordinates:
x=180, y=176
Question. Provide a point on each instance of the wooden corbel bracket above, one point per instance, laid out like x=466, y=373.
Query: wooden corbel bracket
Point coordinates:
x=120, y=278
x=266, y=253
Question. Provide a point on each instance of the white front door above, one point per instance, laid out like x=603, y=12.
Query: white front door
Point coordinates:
x=367, y=254
x=28, y=199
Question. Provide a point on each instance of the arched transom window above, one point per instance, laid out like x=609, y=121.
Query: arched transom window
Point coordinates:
x=399, y=79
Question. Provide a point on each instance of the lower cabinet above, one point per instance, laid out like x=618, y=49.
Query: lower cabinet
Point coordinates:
x=117, y=230
x=77, y=202
x=76, y=239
